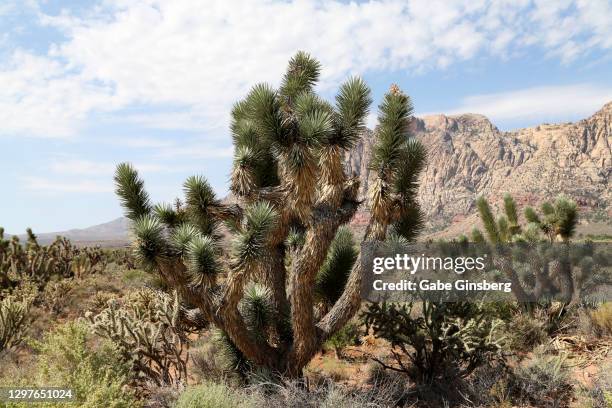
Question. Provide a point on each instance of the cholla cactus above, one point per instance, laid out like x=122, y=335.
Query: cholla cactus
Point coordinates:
x=441, y=340
x=292, y=196
x=38, y=263
x=147, y=330
x=13, y=322
x=55, y=296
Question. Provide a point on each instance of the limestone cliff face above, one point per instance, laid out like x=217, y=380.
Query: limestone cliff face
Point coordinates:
x=468, y=156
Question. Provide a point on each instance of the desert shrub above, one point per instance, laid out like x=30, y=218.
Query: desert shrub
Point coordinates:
x=101, y=299
x=557, y=317
x=123, y=257
x=442, y=340
x=148, y=333
x=347, y=336
x=524, y=332
x=216, y=359
x=56, y=295
x=210, y=395
x=97, y=376
x=543, y=381
x=135, y=277
x=602, y=319
x=329, y=394
x=337, y=370
x=161, y=396
x=601, y=393
x=13, y=322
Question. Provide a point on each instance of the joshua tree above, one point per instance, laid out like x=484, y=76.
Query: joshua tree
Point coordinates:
x=558, y=224
x=292, y=196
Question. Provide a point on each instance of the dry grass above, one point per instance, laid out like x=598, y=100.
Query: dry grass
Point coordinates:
x=602, y=319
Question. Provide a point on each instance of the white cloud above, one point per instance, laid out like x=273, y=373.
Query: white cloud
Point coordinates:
x=197, y=152
x=196, y=58
x=550, y=102
x=137, y=142
x=48, y=185
x=93, y=168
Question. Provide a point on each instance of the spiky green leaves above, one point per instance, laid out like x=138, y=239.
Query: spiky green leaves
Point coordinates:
x=532, y=232
x=295, y=239
x=486, y=216
x=182, y=236
x=256, y=124
x=264, y=111
x=414, y=159
x=130, y=189
x=235, y=361
x=201, y=260
x=251, y=244
x=566, y=214
x=302, y=74
x=547, y=208
x=531, y=215
x=168, y=214
x=199, y=198
x=353, y=104
x=257, y=309
x=397, y=160
x=150, y=243
x=558, y=219
x=393, y=121
x=334, y=273
x=504, y=229
x=315, y=127
x=244, y=172
x=410, y=222
x=476, y=236
x=511, y=214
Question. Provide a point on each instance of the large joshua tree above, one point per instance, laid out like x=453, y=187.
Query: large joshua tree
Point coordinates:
x=290, y=251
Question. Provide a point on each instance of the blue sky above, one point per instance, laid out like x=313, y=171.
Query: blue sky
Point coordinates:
x=85, y=85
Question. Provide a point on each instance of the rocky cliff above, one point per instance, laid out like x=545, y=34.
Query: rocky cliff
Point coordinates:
x=468, y=156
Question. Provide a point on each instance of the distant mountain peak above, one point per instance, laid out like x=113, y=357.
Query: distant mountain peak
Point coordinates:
x=469, y=156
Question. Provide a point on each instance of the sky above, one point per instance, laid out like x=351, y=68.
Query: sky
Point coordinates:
x=87, y=84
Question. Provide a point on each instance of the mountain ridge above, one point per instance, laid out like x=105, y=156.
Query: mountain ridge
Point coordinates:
x=469, y=156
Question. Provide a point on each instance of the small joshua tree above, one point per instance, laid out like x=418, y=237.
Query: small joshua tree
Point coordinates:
x=557, y=223
x=293, y=195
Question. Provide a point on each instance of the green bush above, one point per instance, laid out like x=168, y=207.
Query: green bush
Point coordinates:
x=347, y=336
x=97, y=376
x=210, y=395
